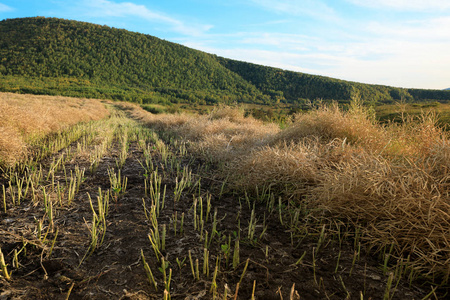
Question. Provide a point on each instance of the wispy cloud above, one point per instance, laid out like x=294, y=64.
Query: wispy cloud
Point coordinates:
x=269, y=23
x=430, y=29
x=5, y=8
x=106, y=8
x=411, y=5
x=298, y=42
x=312, y=8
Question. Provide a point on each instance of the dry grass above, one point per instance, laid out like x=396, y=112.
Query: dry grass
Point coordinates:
x=26, y=118
x=414, y=137
x=233, y=114
x=221, y=136
x=392, y=180
x=330, y=122
x=404, y=203
x=163, y=122
x=226, y=139
x=292, y=167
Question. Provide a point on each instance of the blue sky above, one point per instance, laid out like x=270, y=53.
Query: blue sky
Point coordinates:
x=404, y=43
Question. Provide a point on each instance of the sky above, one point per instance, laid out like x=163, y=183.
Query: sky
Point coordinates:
x=402, y=43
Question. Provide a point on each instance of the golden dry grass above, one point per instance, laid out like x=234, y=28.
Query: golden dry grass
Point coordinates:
x=391, y=180
x=222, y=136
x=404, y=203
x=394, y=179
x=330, y=122
x=24, y=118
x=414, y=137
x=291, y=167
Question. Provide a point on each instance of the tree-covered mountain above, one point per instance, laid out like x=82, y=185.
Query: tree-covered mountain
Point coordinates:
x=57, y=56
x=106, y=61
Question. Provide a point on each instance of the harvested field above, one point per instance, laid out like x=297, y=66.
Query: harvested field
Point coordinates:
x=140, y=206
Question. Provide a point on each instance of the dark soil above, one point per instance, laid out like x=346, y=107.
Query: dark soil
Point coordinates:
x=115, y=269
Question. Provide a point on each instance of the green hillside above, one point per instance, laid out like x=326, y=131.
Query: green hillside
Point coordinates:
x=55, y=56
x=92, y=60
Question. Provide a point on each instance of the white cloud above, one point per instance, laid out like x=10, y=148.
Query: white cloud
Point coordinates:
x=106, y=8
x=427, y=29
x=5, y=8
x=414, y=5
x=393, y=62
x=388, y=61
x=313, y=8
x=298, y=42
x=405, y=69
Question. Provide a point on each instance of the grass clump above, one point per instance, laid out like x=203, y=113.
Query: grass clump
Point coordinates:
x=327, y=123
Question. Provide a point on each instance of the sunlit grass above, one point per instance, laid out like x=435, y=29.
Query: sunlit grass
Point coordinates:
x=332, y=177
x=27, y=118
x=391, y=177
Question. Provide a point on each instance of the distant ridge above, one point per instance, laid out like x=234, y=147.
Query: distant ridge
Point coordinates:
x=63, y=57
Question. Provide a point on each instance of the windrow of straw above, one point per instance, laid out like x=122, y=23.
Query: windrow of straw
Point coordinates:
x=391, y=180
x=26, y=118
x=220, y=136
x=330, y=122
x=401, y=203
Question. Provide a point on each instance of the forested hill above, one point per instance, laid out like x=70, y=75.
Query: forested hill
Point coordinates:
x=55, y=56
x=94, y=60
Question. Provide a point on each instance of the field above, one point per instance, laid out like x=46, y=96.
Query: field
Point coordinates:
x=119, y=203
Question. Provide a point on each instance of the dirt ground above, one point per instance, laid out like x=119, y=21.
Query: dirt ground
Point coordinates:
x=278, y=263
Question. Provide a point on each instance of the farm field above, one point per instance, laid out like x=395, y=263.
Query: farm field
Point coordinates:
x=126, y=204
